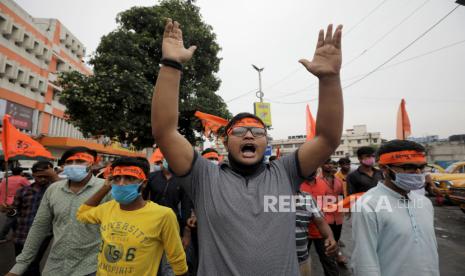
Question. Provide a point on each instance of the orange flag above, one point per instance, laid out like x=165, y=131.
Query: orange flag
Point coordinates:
x=310, y=126
x=156, y=156
x=16, y=143
x=211, y=123
x=403, y=122
x=346, y=203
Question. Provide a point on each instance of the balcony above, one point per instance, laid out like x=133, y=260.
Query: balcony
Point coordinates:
x=6, y=25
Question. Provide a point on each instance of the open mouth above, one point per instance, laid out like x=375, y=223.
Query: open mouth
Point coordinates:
x=248, y=150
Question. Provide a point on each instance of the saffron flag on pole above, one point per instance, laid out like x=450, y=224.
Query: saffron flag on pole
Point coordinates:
x=211, y=123
x=310, y=124
x=16, y=143
x=403, y=122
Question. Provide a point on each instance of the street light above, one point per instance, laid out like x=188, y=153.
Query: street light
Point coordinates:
x=259, y=93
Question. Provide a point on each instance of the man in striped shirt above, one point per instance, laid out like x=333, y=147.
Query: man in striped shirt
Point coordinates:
x=307, y=211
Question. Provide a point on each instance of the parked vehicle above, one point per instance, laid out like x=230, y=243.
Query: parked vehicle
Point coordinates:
x=445, y=180
x=457, y=193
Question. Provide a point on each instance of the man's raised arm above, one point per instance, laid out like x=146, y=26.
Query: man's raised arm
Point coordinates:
x=326, y=65
x=176, y=149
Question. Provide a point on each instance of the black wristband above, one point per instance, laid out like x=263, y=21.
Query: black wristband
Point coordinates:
x=171, y=63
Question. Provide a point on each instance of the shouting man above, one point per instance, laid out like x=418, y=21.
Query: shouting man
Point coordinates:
x=237, y=235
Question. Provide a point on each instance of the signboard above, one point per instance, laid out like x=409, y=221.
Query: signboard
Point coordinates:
x=21, y=116
x=268, y=151
x=263, y=111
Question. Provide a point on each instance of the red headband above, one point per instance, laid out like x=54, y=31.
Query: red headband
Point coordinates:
x=82, y=156
x=405, y=156
x=247, y=122
x=211, y=154
x=129, y=170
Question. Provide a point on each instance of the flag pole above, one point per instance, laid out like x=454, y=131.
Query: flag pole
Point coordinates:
x=6, y=183
x=5, y=155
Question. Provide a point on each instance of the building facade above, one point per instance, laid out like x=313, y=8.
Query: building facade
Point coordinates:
x=351, y=141
x=33, y=51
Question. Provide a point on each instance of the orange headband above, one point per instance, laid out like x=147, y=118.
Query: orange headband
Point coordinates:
x=82, y=156
x=211, y=154
x=247, y=122
x=405, y=156
x=129, y=170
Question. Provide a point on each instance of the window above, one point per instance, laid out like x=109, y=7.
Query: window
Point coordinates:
x=20, y=75
x=8, y=68
x=375, y=140
x=359, y=141
x=42, y=86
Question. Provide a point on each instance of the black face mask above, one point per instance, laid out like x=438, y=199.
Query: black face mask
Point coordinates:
x=246, y=170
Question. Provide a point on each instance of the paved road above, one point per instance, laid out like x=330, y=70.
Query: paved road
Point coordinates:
x=450, y=233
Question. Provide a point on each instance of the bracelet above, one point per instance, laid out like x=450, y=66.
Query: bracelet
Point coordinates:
x=171, y=63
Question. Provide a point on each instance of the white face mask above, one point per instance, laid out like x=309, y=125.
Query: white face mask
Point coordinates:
x=216, y=162
x=156, y=168
x=409, y=181
x=76, y=173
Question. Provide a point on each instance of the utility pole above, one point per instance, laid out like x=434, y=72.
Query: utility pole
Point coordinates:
x=259, y=93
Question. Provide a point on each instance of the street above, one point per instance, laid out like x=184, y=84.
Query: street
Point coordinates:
x=450, y=233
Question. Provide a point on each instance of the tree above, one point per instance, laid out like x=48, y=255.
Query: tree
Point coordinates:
x=116, y=100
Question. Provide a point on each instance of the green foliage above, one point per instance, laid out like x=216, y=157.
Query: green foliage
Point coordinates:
x=116, y=100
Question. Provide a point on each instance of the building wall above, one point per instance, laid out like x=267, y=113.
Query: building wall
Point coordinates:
x=351, y=140
x=445, y=152
x=32, y=52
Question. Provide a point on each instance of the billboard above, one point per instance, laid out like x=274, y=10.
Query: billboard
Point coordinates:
x=263, y=111
x=21, y=116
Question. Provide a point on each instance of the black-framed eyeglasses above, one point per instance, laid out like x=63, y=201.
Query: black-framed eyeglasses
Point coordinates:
x=410, y=167
x=242, y=131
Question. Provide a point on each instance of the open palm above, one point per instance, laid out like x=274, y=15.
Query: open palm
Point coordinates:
x=173, y=45
x=328, y=56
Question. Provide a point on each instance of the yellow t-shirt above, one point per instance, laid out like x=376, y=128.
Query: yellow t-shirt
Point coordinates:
x=133, y=241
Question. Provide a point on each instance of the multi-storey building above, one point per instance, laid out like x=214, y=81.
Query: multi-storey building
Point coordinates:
x=351, y=141
x=32, y=53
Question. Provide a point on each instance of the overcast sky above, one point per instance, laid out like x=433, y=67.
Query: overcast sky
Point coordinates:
x=276, y=34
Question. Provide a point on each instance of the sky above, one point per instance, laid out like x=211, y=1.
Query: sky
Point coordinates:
x=429, y=74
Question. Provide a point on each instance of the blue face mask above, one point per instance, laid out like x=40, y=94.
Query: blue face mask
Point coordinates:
x=75, y=173
x=125, y=194
x=409, y=181
x=165, y=164
x=156, y=168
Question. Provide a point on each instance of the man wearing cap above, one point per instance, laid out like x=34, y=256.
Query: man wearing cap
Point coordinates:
x=135, y=232
x=75, y=245
x=241, y=231
x=392, y=227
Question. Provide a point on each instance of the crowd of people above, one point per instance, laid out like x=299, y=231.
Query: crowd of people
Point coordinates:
x=196, y=215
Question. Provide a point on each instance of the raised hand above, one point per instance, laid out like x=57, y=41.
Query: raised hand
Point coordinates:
x=173, y=46
x=328, y=57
